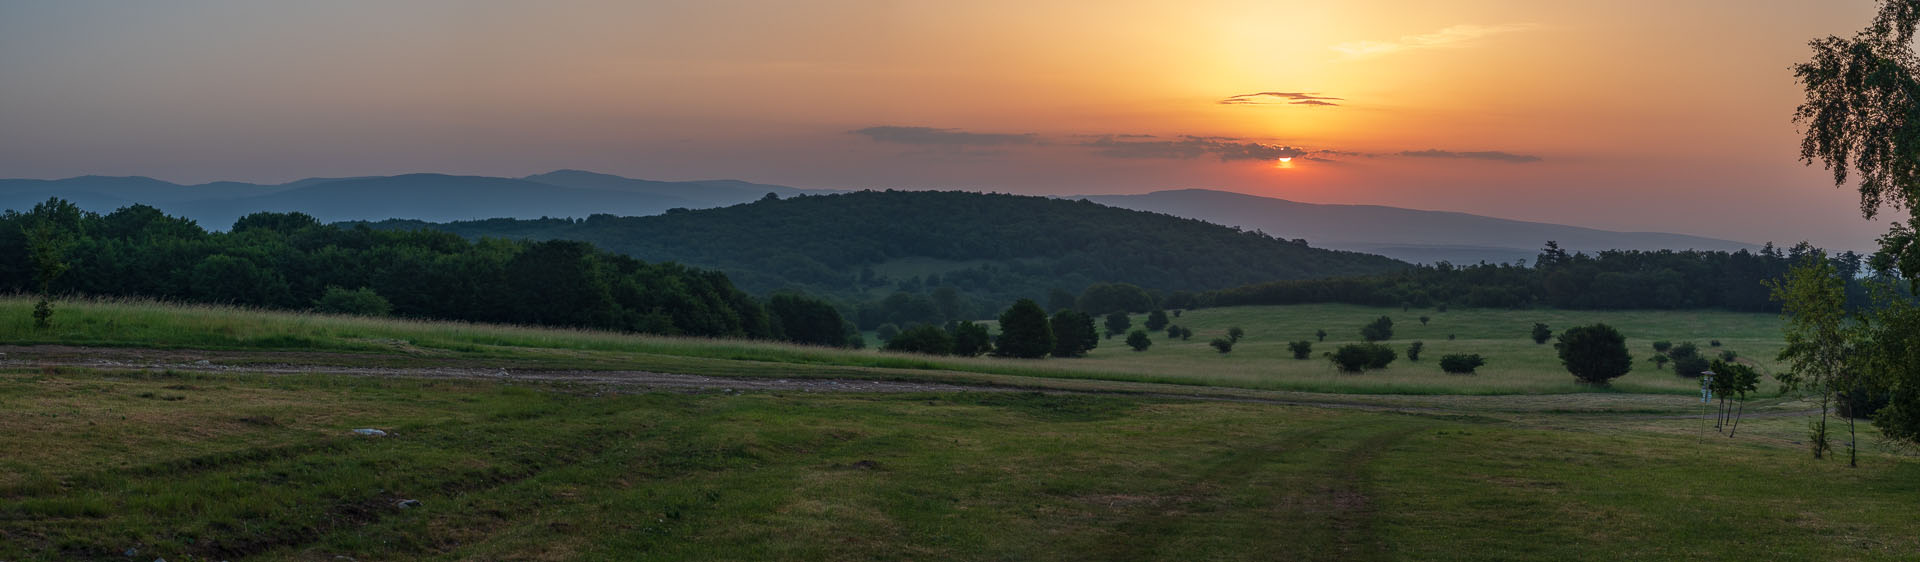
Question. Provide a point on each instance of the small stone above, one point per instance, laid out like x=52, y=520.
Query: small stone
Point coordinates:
x=203, y=362
x=370, y=432
x=131, y=552
x=404, y=504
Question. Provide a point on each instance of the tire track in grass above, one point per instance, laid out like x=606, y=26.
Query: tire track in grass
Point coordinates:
x=1319, y=511
x=1348, y=494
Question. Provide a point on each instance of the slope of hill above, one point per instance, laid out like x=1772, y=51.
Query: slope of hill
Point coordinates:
x=1407, y=234
x=991, y=248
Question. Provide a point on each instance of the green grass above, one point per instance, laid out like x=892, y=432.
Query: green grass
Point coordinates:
x=1515, y=364
x=258, y=467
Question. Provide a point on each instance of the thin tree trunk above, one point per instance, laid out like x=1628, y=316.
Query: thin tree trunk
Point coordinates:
x=1853, y=442
x=1819, y=449
x=1736, y=417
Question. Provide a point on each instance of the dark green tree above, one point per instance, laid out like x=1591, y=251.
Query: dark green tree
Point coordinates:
x=1073, y=334
x=47, y=248
x=1662, y=346
x=1235, y=333
x=1222, y=345
x=1380, y=329
x=1541, y=333
x=1413, y=350
x=1024, y=331
x=1461, y=364
x=1117, y=323
x=970, y=339
x=922, y=338
x=807, y=321
x=1301, y=349
x=1358, y=357
x=1157, y=320
x=1595, y=354
x=358, y=302
x=1138, y=340
x=1321, y=334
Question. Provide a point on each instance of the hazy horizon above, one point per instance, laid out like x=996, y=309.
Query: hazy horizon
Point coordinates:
x=1634, y=116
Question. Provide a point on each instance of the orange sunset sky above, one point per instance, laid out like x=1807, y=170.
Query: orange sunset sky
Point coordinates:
x=1626, y=115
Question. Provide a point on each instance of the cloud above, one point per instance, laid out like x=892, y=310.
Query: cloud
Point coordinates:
x=1455, y=36
x=1479, y=155
x=929, y=136
x=1273, y=98
x=1191, y=147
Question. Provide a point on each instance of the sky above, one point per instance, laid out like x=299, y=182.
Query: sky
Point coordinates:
x=1636, y=115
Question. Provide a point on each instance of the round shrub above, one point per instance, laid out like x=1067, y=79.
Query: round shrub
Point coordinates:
x=1461, y=364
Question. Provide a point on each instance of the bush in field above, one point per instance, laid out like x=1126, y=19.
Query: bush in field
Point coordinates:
x=1235, y=333
x=922, y=338
x=1690, y=367
x=1157, y=320
x=1301, y=349
x=1713, y=343
x=1662, y=346
x=1380, y=329
x=1024, y=331
x=1424, y=319
x=1660, y=361
x=1594, y=354
x=1176, y=331
x=1413, y=350
x=1461, y=364
x=1117, y=323
x=1683, y=351
x=1728, y=355
x=1138, y=340
x=359, y=302
x=1357, y=357
x=1540, y=333
x=1322, y=334
x=1449, y=337
x=1222, y=345
x=1073, y=334
x=970, y=339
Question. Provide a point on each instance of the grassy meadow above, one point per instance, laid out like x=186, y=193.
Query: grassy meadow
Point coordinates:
x=1261, y=362
x=217, y=466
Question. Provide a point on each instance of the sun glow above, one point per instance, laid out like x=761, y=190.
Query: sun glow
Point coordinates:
x=1284, y=163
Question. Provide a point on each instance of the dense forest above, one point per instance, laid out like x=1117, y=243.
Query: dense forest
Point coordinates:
x=291, y=261
x=1664, y=279
x=999, y=247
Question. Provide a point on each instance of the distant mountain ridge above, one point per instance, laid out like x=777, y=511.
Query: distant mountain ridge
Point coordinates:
x=432, y=197
x=1407, y=234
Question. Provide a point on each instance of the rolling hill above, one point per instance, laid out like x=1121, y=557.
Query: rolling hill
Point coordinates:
x=1406, y=234
x=991, y=248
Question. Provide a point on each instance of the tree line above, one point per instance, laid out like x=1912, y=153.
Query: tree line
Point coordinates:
x=291, y=261
x=1608, y=280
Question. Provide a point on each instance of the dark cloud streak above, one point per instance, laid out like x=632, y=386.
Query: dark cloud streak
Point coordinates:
x=929, y=136
x=1494, y=155
x=1279, y=98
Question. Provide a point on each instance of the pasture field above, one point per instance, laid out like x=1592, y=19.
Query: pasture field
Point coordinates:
x=199, y=466
x=1260, y=362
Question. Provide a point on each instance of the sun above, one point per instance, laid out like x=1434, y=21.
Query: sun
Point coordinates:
x=1284, y=163
x=1286, y=159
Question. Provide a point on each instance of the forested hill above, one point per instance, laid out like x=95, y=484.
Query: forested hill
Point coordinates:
x=991, y=247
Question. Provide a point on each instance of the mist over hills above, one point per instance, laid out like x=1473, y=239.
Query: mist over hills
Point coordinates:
x=1407, y=234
